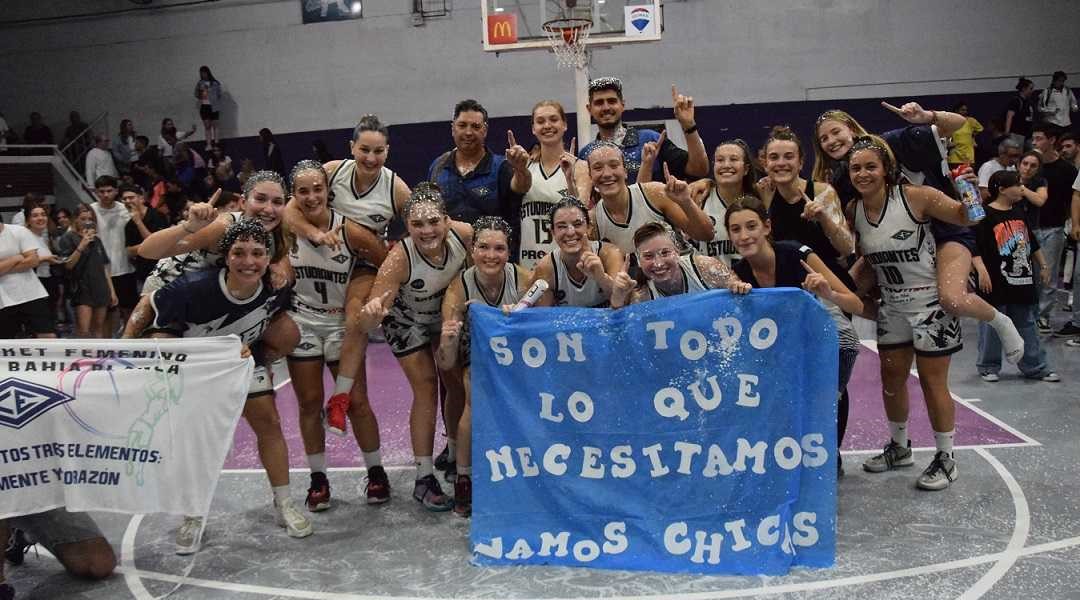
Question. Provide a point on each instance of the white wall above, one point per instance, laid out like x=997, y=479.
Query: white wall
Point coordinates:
x=294, y=77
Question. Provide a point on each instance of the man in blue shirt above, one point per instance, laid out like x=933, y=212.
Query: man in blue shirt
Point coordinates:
x=606, y=107
x=476, y=182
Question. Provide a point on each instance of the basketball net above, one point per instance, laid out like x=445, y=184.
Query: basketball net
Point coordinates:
x=568, y=39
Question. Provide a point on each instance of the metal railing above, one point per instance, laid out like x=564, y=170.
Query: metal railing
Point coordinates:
x=52, y=154
x=75, y=150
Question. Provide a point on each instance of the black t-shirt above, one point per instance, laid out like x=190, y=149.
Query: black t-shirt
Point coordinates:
x=1005, y=244
x=789, y=273
x=154, y=221
x=1021, y=123
x=1060, y=176
x=1031, y=212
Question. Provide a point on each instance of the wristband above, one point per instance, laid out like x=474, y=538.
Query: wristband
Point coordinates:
x=690, y=129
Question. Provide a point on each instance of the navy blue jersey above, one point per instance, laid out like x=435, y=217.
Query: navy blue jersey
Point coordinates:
x=198, y=304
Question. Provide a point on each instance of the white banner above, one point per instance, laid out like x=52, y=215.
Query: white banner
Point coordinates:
x=129, y=426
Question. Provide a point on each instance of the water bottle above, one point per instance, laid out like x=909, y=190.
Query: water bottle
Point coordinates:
x=533, y=294
x=969, y=195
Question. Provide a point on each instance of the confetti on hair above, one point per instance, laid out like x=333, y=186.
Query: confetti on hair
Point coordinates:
x=425, y=193
x=260, y=176
x=490, y=223
x=601, y=144
x=244, y=230
x=304, y=166
x=568, y=202
x=605, y=83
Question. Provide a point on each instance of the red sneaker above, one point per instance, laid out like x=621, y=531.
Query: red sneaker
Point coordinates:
x=377, y=488
x=463, y=496
x=337, y=410
x=318, y=495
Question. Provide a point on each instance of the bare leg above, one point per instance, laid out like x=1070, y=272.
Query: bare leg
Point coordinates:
x=141, y=318
x=934, y=379
x=464, y=428
x=895, y=366
x=84, y=316
x=307, y=378
x=419, y=369
x=262, y=415
x=89, y=559
x=953, y=267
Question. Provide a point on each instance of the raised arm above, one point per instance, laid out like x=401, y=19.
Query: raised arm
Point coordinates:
x=822, y=282
x=393, y=272
x=929, y=203
x=825, y=209
x=365, y=243
x=202, y=230
x=697, y=160
x=673, y=199
x=947, y=122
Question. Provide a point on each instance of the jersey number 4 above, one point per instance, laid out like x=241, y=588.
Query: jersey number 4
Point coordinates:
x=320, y=286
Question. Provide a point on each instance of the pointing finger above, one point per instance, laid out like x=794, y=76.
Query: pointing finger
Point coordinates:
x=661, y=139
x=667, y=174
x=511, y=142
x=808, y=268
x=626, y=263
x=573, y=146
x=891, y=107
x=674, y=93
x=214, y=198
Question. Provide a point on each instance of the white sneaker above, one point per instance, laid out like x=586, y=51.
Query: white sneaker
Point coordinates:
x=1051, y=377
x=990, y=377
x=1073, y=343
x=189, y=536
x=295, y=523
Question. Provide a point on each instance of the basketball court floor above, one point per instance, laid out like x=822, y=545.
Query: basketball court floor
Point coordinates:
x=1008, y=528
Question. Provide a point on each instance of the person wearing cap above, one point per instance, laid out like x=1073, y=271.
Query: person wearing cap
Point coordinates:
x=606, y=106
x=1056, y=102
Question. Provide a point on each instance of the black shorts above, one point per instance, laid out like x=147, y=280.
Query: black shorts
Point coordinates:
x=208, y=113
x=127, y=291
x=31, y=317
x=947, y=232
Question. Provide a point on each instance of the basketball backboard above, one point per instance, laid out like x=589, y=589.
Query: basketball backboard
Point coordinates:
x=517, y=24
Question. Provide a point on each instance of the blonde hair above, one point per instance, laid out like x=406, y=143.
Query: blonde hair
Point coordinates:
x=823, y=163
x=534, y=153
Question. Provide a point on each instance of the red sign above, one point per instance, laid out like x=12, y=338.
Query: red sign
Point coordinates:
x=502, y=29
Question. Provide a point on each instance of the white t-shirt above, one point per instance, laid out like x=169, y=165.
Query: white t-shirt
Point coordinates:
x=111, y=223
x=989, y=168
x=18, y=288
x=1076, y=183
x=44, y=269
x=99, y=162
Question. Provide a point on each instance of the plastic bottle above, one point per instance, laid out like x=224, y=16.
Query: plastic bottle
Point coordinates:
x=969, y=195
x=533, y=294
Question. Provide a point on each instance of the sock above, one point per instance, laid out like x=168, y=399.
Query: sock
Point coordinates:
x=899, y=433
x=451, y=449
x=317, y=462
x=343, y=385
x=1000, y=320
x=943, y=440
x=281, y=494
x=465, y=470
x=424, y=466
x=373, y=458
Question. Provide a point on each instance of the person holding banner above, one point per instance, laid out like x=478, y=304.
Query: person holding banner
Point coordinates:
x=892, y=224
x=787, y=263
x=578, y=271
x=238, y=299
x=623, y=208
x=918, y=153
x=668, y=274
x=72, y=537
x=192, y=245
x=324, y=274
x=407, y=299
x=365, y=191
x=496, y=282
x=556, y=173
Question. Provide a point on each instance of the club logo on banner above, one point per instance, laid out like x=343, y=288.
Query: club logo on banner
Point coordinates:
x=695, y=433
x=133, y=426
x=639, y=20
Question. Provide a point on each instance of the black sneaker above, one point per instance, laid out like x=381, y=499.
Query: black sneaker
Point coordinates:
x=17, y=547
x=377, y=487
x=443, y=459
x=318, y=495
x=6, y=592
x=451, y=472
x=428, y=492
x=1069, y=330
x=463, y=496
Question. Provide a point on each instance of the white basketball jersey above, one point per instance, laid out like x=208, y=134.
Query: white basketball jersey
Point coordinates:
x=546, y=191
x=374, y=207
x=507, y=295
x=322, y=275
x=640, y=212
x=586, y=294
x=422, y=294
x=169, y=268
x=719, y=246
x=692, y=282
x=901, y=250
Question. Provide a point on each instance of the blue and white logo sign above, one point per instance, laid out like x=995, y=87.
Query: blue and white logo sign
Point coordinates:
x=22, y=401
x=640, y=20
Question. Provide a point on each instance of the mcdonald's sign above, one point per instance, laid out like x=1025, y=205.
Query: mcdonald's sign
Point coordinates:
x=502, y=28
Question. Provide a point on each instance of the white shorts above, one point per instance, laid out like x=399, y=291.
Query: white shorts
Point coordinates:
x=933, y=332
x=405, y=334
x=320, y=336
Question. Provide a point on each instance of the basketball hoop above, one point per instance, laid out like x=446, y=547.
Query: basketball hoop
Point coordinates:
x=568, y=37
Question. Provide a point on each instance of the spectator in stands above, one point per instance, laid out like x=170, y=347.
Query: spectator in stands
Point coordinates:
x=1020, y=112
x=1032, y=185
x=1057, y=102
x=962, y=143
x=144, y=221
x=170, y=137
x=124, y=149
x=1009, y=152
x=88, y=268
x=99, y=161
x=271, y=155
x=188, y=173
x=24, y=304
x=1069, y=148
x=75, y=127
x=223, y=177
x=63, y=221
x=247, y=169
x=208, y=93
x=30, y=200
x=112, y=217
x=217, y=157
x=37, y=132
x=1049, y=228
x=39, y=224
x=320, y=153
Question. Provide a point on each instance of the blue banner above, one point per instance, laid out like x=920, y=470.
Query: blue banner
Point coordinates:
x=689, y=434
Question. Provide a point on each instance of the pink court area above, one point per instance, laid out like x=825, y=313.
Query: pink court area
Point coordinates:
x=391, y=398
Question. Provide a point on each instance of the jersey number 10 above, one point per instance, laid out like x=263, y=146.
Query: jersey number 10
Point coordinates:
x=892, y=275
